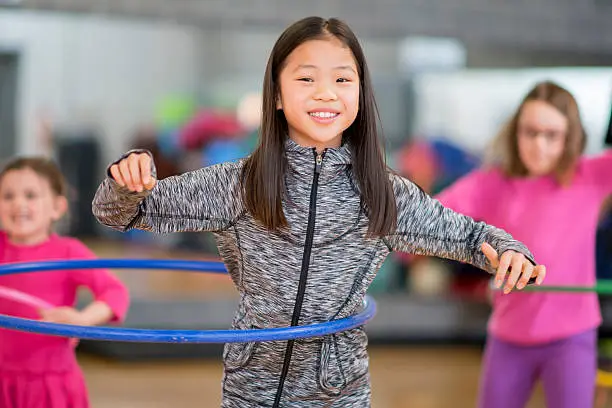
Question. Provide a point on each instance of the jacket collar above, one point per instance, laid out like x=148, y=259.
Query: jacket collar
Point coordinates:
x=302, y=159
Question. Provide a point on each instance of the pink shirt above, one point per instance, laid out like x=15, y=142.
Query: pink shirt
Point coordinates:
x=26, y=352
x=558, y=224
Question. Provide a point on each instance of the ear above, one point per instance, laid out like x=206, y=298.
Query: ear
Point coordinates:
x=279, y=103
x=60, y=206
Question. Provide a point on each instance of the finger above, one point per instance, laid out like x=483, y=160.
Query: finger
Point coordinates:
x=527, y=274
x=144, y=162
x=502, y=268
x=515, y=272
x=134, y=166
x=48, y=312
x=540, y=270
x=116, y=174
x=47, y=317
x=490, y=253
x=151, y=184
x=125, y=173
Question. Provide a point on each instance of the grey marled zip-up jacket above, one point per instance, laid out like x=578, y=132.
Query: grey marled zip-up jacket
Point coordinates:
x=325, y=372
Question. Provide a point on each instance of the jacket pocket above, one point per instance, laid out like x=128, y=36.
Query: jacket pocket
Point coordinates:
x=331, y=376
x=237, y=356
x=343, y=360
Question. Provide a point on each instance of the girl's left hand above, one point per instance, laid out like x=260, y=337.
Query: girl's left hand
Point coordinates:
x=521, y=267
x=63, y=315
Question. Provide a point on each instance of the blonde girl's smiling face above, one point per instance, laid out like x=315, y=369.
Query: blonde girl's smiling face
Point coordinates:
x=541, y=136
x=319, y=92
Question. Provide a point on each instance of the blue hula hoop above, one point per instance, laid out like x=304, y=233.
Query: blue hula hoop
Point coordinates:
x=167, y=336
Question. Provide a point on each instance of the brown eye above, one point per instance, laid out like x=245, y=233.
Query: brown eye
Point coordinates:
x=529, y=132
x=553, y=136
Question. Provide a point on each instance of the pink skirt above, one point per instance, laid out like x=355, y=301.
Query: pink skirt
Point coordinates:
x=56, y=390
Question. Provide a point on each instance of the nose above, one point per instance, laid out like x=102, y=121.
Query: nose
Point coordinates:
x=325, y=92
x=541, y=140
x=18, y=202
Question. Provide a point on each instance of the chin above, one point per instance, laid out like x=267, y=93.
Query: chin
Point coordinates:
x=325, y=140
x=18, y=235
x=539, y=172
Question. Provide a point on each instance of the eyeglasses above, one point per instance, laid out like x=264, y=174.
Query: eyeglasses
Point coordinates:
x=550, y=135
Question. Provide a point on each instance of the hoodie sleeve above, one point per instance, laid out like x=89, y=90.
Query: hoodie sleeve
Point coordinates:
x=208, y=199
x=426, y=227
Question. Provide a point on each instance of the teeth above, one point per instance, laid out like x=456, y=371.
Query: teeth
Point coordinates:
x=324, y=114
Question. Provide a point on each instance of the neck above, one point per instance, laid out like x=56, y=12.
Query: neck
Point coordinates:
x=319, y=146
x=29, y=240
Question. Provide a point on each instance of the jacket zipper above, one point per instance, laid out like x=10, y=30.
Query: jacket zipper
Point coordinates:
x=297, y=309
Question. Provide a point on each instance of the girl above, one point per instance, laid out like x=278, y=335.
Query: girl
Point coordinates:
x=36, y=370
x=304, y=223
x=548, y=196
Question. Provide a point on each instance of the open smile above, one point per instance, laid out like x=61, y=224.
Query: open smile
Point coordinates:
x=324, y=116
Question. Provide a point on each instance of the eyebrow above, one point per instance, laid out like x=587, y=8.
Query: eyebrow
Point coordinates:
x=339, y=67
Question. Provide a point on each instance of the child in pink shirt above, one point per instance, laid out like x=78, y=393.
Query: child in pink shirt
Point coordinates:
x=543, y=192
x=37, y=370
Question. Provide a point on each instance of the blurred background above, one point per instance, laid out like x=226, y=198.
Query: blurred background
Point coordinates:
x=85, y=80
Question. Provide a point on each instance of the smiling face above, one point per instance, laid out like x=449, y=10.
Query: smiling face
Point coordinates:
x=28, y=206
x=319, y=92
x=544, y=136
x=541, y=137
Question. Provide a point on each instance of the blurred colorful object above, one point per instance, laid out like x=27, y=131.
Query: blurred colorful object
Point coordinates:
x=209, y=125
x=174, y=111
x=219, y=151
x=454, y=161
x=603, y=247
x=434, y=163
x=248, y=111
x=418, y=161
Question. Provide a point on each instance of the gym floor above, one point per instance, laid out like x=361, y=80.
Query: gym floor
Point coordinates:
x=402, y=377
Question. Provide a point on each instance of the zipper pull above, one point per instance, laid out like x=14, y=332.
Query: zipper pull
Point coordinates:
x=318, y=161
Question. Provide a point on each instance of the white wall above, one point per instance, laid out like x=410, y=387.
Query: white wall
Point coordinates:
x=111, y=72
x=469, y=106
x=90, y=69
x=236, y=61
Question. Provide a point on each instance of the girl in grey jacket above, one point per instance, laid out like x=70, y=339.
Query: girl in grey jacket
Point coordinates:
x=305, y=221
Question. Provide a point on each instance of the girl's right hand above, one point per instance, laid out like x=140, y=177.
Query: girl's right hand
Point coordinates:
x=134, y=172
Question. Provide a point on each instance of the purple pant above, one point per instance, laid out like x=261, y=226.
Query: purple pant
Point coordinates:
x=567, y=369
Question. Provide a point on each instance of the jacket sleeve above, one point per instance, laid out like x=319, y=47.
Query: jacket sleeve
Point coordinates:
x=208, y=199
x=426, y=227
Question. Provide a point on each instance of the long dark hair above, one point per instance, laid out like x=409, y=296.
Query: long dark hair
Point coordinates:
x=264, y=170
